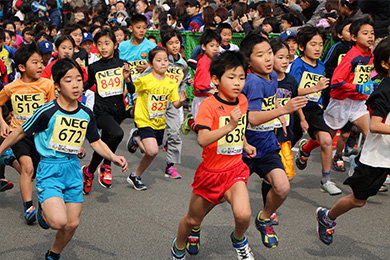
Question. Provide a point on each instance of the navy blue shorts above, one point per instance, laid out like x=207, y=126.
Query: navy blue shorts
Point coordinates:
x=262, y=166
x=147, y=132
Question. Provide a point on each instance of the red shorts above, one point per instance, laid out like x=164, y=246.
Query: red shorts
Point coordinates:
x=211, y=184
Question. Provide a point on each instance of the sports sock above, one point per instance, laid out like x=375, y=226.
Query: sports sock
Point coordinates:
x=195, y=231
x=265, y=188
x=107, y=162
x=310, y=146
x=27, y=205
x=338, y=156
x=325, y=176
x=191, y=124
x=178, y=251
x=236, y=240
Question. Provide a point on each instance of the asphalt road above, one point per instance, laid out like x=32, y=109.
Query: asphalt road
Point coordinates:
x=122, y=223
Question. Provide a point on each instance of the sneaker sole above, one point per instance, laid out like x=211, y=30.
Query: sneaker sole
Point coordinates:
x=8, y=186
x=331, y=194
x=318, y=223
x=132, y=183
x=170, y=176
x=104, y=185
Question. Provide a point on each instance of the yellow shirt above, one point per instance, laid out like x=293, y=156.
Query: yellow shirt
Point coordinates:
x=26, y=98
x=152, y=101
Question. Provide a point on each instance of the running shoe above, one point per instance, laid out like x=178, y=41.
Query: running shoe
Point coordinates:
x=185, y=127
x=325, y=229
x=352, y=165
x=81, y=154
x=131, y=143
x=87, y=180
x=274, y=219
x=49, y=256
x=30, y=215
x=193, y=242
x=105, y=175
x=383, y=188
x=5, y=185
x=42, y=223
x=330, y=187
x=176, y=256
x=338, y=164
x=136, y=182
x=268, y=235
x=7, y=158
x=301, y=158
x=172, y=173
x=387, y=181
x=242, y=249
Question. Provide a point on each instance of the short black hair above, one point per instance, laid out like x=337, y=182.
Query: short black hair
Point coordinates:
x=7, y=22
x=208, y=36
x=51, y=3
x=340, y=27
x=358, y=23
x=69, y=28
x=249, y=42
x=61, y=67
x=2, y=34
x=25, y=52
x=274, y=22
x=382, y=53
x=63, y=38
x=278, y=44
x=227, y=60
x=138, y=18
x=44, y=35
x=154, y=51
x=169, y=34
x=307, y=32
x=28, y=30
x=222, y=26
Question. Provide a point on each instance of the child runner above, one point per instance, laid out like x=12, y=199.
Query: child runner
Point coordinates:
x=225, y=30
x=109, y=74
x=203, y=87
x=222, y=175
x=178, y=71
x=374, y=164
x=155, y=90
x=291, y=39
x=264, y=113
x=60, y=127
x=87, y=44
x=26, y=94
x=309, y=73
x=80, y=55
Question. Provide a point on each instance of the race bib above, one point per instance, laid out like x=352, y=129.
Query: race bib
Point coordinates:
x=175, y=74
x=283, y=102
x=133, y=68
x=267, y=105
x=157, y=105
x=110, y=82
x=341, y=56
x=362, y=74
x=309, y=80
x=233, y=142
x=68, y=134
x=24, y=105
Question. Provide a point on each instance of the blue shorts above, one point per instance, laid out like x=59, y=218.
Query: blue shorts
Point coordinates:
x=262, y=166
x=60, y=177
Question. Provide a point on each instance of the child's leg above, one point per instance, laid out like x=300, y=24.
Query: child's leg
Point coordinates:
x=344, y=205
x=362, y=124
x=63, y=217
x=16, y=165
x=151, y=151
x=278, y=193
x=325, y=140
x=341, y=142
x=198, y=209
x=238, y=198
x=26, y=175
x=173, y=123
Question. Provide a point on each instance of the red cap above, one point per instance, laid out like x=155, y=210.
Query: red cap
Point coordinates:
x=18, y=4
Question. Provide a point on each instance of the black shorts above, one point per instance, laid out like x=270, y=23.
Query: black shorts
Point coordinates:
x=366, y=180
x=262, y=166
x=347, y=128
x=26, y=147
x=147, y=132
x=314, y=116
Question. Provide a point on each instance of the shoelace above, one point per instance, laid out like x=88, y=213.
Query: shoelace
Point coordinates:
x=243, y=253
x=269, y=230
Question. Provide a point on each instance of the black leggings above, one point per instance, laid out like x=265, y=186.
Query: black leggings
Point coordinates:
x=112, y=135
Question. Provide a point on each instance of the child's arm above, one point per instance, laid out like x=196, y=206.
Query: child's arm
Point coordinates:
x=378, y=127
x=4, y=127
x=12, y=139
x=249, y=149
x=256, y=118
x=281, y=118
x=102, y=149
x=207, y=137
x=304, y=124
x=178, y=103
x=322, y=84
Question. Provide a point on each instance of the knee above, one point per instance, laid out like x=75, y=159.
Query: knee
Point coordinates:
x=282, y=189
x=117, y=134
x=57, y=223
x=27, y=170
x=151, y=151
x=326, y=143
x=359, y=203
x=192, y=222
x=243, y=216
x=72, y=225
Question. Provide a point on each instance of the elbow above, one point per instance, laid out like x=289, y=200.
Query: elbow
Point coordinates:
x=374, y=129
x=202, y=143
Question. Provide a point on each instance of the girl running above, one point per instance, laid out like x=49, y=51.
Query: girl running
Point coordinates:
x=155, y=90
x=109, y=74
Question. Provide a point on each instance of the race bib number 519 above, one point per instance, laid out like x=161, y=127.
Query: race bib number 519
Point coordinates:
x=68, y=134
x=24, y=105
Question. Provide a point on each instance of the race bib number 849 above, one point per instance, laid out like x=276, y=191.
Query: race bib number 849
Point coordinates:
x=68, y=134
